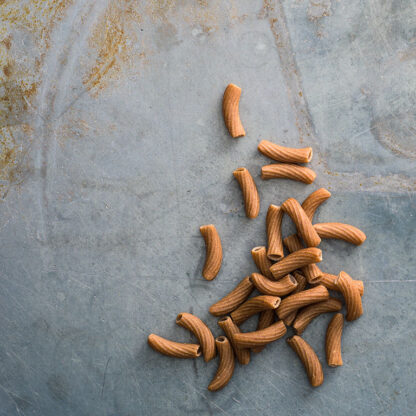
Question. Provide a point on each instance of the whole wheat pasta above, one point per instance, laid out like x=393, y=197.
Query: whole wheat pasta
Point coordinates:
x=328, y=280
x=230, y=329
x=261, y=337
x=230, y=110
x=312, y=272
x=309, y=359
x=226, y=366
x=253, y=306
x=312, y=202
x=302, y=282
x=266, y=318
x=285, y=154
x=274, y=233
x=302, y=222
x=213, y=257
x=351, y=295
x=282, y=287
x=288, y=171
x=173, y=349
x=262, y=262
x=306, y=315
x=301, y=299
x=295, y=261
x=235, y=298
x=249, y=190
x=201, y=331
x=333, y=341
x=340, y=231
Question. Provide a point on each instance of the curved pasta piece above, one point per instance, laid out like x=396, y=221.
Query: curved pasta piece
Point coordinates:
x=226, y=366
x=288, y=171
x=172, y=348
x=262, y=262
x=328, y=280
x=230, y=329
x=261, y=337
x=295, y=261
x=306, y=315
x=312, y=202
x=309, y=359
x=274, y=233
x=351, y=295
x=230, y=110
x=285, y=154
x=302, y=282
x=253, y=306
x=249, y=190
x=201, y=331
x=340, y=231
x=266, y=318
x=213, y=258
x=282, y=287
x=333, y=341
x=301, y=299
x=235, y=298
x=302, y=222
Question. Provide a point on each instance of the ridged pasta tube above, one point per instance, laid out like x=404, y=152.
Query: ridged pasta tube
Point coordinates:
x=274, y=233
x=249, y=190
x=230, y=110
x=281, y=287
x=230, y=329
x=302, y=282
x=261, y=337
x=314, y=200
x=266, y=318
x=351, y=295
x=340, y=231
x=262, y=262
x=226, y=366
x=213, y=257
x=288, y=171
x=333, y=341
x=285, y=154
x=172, y=348
x=328, y=280
x=253, y=306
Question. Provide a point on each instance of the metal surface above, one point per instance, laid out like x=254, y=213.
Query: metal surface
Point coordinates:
x=113, y=152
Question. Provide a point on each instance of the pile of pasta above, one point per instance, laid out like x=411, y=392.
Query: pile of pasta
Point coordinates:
x=292, y=289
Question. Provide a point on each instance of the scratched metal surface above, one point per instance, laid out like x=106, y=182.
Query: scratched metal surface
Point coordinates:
x=113, y=152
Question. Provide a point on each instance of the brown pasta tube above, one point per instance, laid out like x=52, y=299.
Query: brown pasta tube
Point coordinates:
x=266, y=318
x=309, y=359
x=235, y=298
x=288, y=171
x=226, y=366
x=262, y=262
x=274, y=233
x=312, y=202
x=351, y=295
x=285, y=154
x=333, y=341
x=249, y=190
x=230, y=329
x=173, y=349
x=295, y=261
x=340, y=231
x=201, y=331
x=302, y=282
x=301, y=299
x=302, y=222
x=261, y=337
x=213, y=258
x=328, y=280
x=230, y=110
x=282, y=287
x=306, y=315
x=253, y=306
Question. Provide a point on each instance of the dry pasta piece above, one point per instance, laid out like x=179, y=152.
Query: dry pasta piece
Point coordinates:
x=312, y=272
x=230, y=110
x=213, y=258
x=351, y=295
x=262, y=262
x=266, y=318
x=301, y=299
x=226, y=366
x=172, y=348
x=309, y=359
x=201, y=331
x=285, y=154
x=230, y=329
x=333, y=341
x=261, y=337
x=288, y=171
x=282, y=287
x=340, y=231
x=296, y=260
x=235, y=298
x=312, y=202
x=249, y=190
x=302, y=222
x=306, y=315
x=253, y=306
x=302, y=282
x=328, y=280
x=274, y=233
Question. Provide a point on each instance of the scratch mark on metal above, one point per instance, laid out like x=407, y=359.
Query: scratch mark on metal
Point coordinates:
x=105, y=374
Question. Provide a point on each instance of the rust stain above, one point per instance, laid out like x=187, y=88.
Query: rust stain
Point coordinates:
x=318, y=9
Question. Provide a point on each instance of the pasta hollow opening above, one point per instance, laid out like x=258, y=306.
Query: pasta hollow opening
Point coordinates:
x=221, y=339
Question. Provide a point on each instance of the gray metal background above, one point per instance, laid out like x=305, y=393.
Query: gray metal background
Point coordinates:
x=113, y=152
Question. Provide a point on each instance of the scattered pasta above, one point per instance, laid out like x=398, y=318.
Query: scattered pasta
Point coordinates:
x=328, y=280
x=262, y=262
x=226, y=366
x=340, y=231
x=285, y=154
x=266, y=318
x=213, y=258
x=172, y=348
x=333, y=340
x=274, y=233
x=351, y=295
x=230, y=329
x=230, y=110
x=281, y=287
x=253, y=306
x=249, y=190
x=314, y=200
x=288, y=171
x=302, y=282
x=260, y=337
